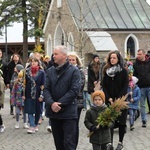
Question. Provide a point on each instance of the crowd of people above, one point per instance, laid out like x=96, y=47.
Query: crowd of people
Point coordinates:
x=60, y=87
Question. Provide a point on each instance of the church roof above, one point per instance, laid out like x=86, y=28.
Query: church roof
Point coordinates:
x=111, y=14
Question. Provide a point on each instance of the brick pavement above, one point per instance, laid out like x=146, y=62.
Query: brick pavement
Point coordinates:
x=18, y=139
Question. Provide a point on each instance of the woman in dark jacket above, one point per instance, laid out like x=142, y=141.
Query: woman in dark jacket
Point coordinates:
x=15, y=59
x=93, y=73
x=76, y=61
x=115, y=85
x=35, y=79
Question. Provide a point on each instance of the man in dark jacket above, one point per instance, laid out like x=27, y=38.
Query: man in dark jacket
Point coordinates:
x=62, y=86
x=142, y=72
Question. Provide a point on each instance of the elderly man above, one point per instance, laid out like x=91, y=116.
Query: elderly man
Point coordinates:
x=142, y=72
x=62, y=86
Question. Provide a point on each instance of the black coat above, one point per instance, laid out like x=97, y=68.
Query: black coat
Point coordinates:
x=92, y=78
x=142, y=72
x=62, y=85
x=101, y=135
x=116, y=87
x=10, y=70
x=34, y=105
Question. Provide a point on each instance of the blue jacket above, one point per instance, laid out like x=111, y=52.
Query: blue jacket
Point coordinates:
x=136, y=95
x=62, y=85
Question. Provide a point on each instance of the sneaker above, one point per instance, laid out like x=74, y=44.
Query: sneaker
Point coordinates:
x=132, y=127
x=144, y=124
x=31, y=130
x=17, y=125
x=119, y=146
x=49, y=128
x=2, y=128
x=36, y=129
x=43, y=114
x=26, y=126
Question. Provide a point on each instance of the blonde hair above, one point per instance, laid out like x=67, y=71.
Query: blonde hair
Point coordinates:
x=74, y=54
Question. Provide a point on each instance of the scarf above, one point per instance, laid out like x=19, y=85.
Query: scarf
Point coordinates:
x=111, y=72
x=32, y=74
x=34, y=70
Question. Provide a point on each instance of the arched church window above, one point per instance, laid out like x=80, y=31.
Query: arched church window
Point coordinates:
x=62, y=39
x=131, y=47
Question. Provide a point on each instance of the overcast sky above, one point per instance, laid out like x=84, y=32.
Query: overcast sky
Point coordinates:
x=14, y=34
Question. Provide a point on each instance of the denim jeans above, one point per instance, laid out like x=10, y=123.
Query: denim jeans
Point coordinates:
x=145, y=92
x=31, y=120
x=131, y=116
x=86, y=97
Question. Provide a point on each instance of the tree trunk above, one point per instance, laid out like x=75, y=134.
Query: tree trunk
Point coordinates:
x=25, y=33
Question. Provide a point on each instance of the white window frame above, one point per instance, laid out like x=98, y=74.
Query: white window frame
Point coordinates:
x=59, y=3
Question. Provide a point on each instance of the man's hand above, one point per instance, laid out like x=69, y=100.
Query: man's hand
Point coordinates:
x=56, y=107
x=40, y=99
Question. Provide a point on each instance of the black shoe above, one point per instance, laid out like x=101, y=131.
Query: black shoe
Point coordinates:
x=109, y=146
x=11, y=113
x=11, y=110
x=119, y=146
x=144, y=124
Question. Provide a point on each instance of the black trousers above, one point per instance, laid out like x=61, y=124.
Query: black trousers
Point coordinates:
x=77, y=130
x=1, y=121
x=99, y=147
x=64, y=133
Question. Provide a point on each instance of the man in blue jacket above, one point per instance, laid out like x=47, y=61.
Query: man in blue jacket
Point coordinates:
x=62, y=86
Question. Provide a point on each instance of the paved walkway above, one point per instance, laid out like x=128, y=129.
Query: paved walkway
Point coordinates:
x=18, y=139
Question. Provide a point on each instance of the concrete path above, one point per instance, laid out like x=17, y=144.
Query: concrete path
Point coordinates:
x=18, y=139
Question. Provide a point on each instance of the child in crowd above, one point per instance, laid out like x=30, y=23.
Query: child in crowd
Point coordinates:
x=17, y=97
x=101, y=137
x=133, y=98
x=2, y=93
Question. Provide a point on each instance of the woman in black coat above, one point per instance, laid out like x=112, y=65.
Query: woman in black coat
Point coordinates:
x=15, y=59
x=115, y=85
x=93, y=73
